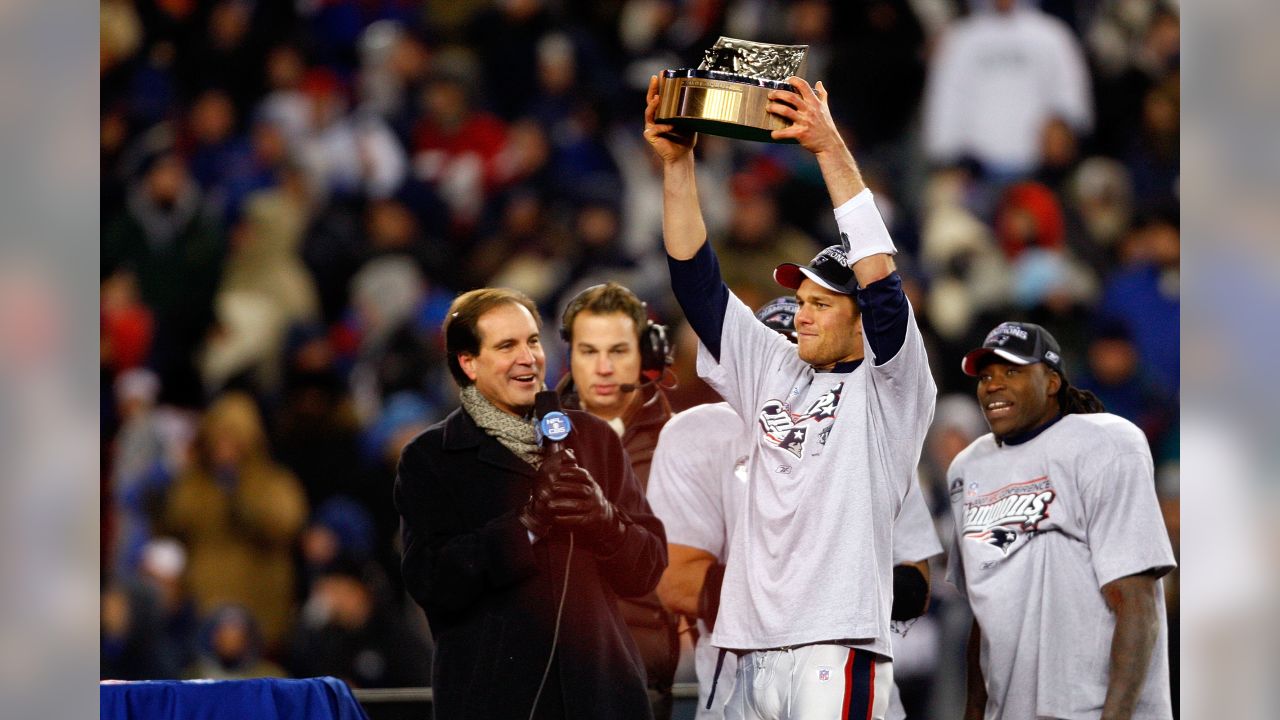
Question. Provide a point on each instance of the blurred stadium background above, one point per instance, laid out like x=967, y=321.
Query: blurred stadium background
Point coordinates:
x=292, y=193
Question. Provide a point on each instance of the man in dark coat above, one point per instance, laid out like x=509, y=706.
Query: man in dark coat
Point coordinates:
x=616, y=358
x=505, y=544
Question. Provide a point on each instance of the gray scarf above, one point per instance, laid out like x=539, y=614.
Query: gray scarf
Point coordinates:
x=516, y=434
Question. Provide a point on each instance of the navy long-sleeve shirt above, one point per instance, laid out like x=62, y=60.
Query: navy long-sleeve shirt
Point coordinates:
x=702, y=294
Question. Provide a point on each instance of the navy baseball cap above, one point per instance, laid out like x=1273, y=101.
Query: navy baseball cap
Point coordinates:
x=1019, y=343
x=829, y=268
x=779, y=315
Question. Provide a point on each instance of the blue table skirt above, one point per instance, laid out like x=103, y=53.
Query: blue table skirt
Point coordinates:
x=264, y=699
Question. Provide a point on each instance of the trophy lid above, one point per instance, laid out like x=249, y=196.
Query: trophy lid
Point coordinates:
x=756, y=60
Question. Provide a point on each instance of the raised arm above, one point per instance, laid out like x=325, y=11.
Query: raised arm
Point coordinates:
x=695, y=274
x=683, y=230
x=814, y=128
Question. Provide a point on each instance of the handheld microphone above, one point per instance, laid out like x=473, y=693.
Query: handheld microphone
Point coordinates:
x=553, y=425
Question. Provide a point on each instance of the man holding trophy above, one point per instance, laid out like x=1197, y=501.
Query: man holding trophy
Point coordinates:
x=836, y=421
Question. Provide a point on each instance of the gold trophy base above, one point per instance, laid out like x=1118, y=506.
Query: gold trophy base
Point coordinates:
x=719, y=103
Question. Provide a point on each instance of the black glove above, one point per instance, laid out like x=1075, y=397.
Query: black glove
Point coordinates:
x=709, y=596
x=578, y=504
x=910, y=593
x=536, y=515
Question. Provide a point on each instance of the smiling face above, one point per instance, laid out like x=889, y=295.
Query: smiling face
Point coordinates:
x=509, y=368
x=1017, y=398
x=828, y=326
x=605, y=355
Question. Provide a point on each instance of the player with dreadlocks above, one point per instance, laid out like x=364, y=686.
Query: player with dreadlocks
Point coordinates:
x=1059, y=545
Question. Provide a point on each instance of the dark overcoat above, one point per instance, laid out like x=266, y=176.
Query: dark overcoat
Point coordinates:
x=490, y=595
x=653, y=627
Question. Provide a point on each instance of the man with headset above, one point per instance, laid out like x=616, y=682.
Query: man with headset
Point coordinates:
x=616, y=358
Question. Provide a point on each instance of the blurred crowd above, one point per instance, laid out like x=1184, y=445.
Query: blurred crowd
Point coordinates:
x=292, y=193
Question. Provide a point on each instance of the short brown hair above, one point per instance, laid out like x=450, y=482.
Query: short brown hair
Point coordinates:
x=459, y=329
x=604, y=299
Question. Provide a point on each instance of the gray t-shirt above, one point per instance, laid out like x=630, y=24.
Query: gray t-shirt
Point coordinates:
x=1041, y=526
x=830, y=459
x=697, y=486
x=914, y=536
x=914, y=539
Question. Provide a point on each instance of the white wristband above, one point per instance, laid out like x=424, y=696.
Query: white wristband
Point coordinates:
x=860, y=222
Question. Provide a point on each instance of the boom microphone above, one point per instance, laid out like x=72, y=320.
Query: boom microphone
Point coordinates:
x=646, y=381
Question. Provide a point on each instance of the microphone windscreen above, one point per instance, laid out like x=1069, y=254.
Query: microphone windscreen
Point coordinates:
x=545, y=402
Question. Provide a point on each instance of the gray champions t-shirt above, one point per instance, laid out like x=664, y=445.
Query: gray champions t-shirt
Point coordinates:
x=697, y=486
x=1040, y=527
x=830, y=459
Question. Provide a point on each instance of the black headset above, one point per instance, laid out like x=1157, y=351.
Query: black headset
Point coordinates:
x=655, y=350
x=655, y=342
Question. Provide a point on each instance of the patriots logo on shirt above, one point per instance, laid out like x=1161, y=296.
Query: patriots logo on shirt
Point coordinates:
x=824, y=407
x=1000, y=517
x=1002, y=538
x=782, y=428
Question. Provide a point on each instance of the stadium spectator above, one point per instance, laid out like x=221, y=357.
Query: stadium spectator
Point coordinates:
x=995, y=80
x=132, y=645
x=349, y=629
x=231, y=648
x=174, y=248
x=239, y=514
x=1143, y=294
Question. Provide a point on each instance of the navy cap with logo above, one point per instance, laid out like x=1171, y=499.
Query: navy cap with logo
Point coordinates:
x=829, y=268
x=1019, y=343
x=779, y=315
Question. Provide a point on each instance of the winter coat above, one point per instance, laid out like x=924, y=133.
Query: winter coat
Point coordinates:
x=491, y=594
x=653, y=627
x=239, y=528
